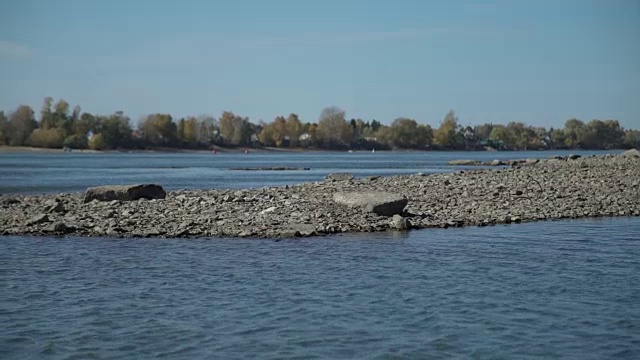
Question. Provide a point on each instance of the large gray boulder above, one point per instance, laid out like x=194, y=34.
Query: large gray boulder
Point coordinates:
x=379, y=202
x=633, y=153
x=124, y=192
x=339, y=177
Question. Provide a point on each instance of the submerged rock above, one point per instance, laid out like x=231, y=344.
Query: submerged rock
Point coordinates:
x=464, y=162
x=124, y=192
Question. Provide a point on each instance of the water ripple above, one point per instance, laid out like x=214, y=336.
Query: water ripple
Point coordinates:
x=570, y=290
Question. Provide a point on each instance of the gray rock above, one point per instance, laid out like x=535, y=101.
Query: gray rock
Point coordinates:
x=496, y=162
x=339, y=177
x=379, y=202
x=633, y=153
x=399, y=223
x=38, y=219
x=55, y=206
x=124, y=192
x=9, y=201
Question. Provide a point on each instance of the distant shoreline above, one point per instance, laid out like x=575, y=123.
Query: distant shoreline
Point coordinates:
x=218, y=149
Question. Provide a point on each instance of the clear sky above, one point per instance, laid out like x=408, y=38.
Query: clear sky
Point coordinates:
x=540, y=62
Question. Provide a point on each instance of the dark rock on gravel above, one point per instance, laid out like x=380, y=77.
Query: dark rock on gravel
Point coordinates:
x=124, y=192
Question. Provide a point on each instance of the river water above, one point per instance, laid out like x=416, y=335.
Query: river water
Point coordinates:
x=563, y=289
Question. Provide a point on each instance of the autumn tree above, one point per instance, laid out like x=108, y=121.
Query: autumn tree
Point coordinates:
x=235, y=130
x=446, y=135
x=52, y=138
x=333, y=129
x=273, y=134
x=188, y=131
x=294, y=129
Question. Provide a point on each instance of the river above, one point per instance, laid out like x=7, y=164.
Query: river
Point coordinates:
x=563, y=289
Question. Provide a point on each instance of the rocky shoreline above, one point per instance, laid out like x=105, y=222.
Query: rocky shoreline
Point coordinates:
x=548, y=189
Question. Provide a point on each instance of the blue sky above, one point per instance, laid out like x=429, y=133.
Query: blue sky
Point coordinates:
x=540, y=62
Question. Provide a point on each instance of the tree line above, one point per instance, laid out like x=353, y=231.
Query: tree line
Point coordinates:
x=60, y=126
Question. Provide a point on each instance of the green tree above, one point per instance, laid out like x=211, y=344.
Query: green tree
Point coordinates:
x=483, y=132
x=406, y=133
x=603, y=134
x=96, y=142
x=61, y=118
x=631, y=139
x=47, y=120
x=519, y=136
x=424, y=135
x=4, y=129
x=499, y=133
x=575, y=133
x=159, y=130
x=557, y=139
x=76, y=141
x=85, y=124
x=115, y=131
x=180, y=131
x=268, y=136
x=21, y=124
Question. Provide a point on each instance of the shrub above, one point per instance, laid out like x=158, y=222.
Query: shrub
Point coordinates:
x=47, y=138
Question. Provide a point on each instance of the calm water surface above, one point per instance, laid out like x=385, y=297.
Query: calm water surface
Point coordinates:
x=71, y=172
x=565, y=289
